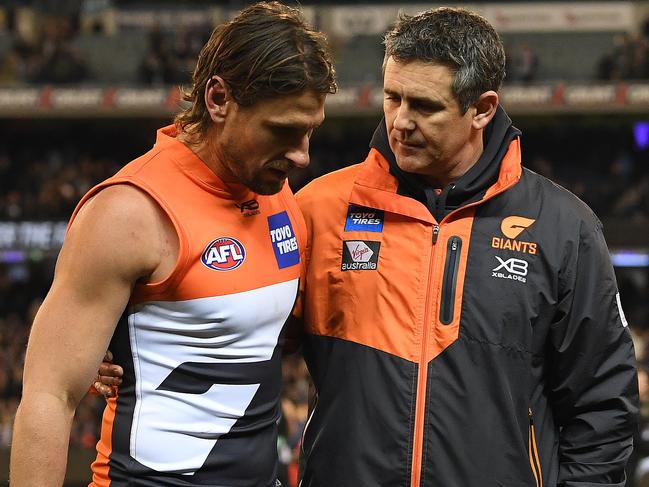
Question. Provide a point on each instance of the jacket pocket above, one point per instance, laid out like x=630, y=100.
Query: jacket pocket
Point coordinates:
x=532, y=449
x=454, y=247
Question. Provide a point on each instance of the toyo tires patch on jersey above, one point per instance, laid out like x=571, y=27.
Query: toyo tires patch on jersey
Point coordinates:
x=283, y=239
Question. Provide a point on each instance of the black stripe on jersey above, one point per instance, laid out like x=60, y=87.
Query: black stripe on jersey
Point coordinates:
x=120, y=459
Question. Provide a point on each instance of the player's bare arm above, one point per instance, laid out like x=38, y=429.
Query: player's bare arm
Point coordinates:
x=120, y=236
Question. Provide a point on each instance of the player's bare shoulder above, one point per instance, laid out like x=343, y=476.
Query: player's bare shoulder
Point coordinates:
x=123, y=223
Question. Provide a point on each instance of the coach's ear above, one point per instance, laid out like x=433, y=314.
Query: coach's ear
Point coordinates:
x=218, y=99
x=485, y=109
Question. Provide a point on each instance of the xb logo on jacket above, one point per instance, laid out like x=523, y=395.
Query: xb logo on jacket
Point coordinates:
x=513, y=268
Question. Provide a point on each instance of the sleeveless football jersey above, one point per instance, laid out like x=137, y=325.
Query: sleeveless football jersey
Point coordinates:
x=199, y=402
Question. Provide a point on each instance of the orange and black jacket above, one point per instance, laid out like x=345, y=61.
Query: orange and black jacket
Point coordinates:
x=472, y=338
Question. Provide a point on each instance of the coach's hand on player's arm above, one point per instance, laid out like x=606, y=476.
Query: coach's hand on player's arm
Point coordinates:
x=109, y=377
x=112, y=243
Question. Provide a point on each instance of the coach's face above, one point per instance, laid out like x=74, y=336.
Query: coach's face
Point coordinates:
x=427, y=130
x=259, y=145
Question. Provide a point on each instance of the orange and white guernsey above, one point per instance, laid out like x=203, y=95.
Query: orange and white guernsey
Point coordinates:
x=201, y=349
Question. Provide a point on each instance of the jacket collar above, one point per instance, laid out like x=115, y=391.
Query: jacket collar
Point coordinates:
x=469, y=188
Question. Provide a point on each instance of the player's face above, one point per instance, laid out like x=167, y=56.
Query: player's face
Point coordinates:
x=427, y=131
x=261, y=144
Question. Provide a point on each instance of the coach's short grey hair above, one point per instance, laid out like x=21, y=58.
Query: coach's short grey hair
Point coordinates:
x=454, y=37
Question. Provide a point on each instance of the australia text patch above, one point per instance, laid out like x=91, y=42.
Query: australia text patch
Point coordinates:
x=362, y=219
x=360, y=255
x=283, y=240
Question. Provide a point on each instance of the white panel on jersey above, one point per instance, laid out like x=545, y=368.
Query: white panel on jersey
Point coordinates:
x=176, y=431
x=173, y=431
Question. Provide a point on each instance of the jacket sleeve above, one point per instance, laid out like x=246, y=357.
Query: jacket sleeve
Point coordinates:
x=593, y=378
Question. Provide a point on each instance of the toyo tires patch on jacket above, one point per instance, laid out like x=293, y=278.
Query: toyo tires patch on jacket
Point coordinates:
x=360, y=255
x=362, y=219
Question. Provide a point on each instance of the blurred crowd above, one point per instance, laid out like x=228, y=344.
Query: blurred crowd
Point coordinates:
x=522, y=63
x=47, y=186
x=53, y=54
x=615, y=188
x=628, y=58
x=46, y=56
x=52, y=51
x=171, y=55
x=613, y=179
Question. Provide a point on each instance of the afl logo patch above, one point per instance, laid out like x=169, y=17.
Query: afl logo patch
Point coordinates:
x=224, y=254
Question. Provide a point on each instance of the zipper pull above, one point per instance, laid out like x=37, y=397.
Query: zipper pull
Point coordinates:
x=435, y=233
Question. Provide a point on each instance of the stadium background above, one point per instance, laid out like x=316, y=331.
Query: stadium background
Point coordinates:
x=85, y=83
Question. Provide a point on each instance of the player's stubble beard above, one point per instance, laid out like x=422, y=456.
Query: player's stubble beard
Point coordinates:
x=261, y=179
x=260, y=183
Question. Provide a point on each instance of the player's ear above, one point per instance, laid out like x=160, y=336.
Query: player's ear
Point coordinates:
x=218, y=98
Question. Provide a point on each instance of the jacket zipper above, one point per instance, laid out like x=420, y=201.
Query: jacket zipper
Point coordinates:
x=449, y=281
x=415, y=476
x=533, y=452
x=420, y=405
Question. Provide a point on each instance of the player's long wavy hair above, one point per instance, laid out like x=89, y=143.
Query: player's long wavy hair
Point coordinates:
x=265, y=51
